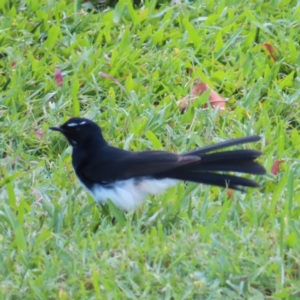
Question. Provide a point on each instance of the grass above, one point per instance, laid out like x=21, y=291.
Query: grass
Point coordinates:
x=192, y=242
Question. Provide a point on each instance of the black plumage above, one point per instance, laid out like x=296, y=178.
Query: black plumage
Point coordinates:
x=100, y=166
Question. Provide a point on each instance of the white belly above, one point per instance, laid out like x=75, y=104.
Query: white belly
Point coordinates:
x=129, y=194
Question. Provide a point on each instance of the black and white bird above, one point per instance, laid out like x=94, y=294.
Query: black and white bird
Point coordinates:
x=126, y=178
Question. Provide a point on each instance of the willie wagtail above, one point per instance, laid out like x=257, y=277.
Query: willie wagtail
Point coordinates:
x=126, y=178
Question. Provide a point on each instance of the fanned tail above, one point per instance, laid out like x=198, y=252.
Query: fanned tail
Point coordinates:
x=207, y=169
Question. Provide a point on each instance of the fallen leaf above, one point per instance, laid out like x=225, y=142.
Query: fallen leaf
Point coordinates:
x=230, y=193
x=59, y=79
x=215, y=99
x=271, y=50
x=105, y=75
x=13, y=63
x=275, y=167
x=39, y=133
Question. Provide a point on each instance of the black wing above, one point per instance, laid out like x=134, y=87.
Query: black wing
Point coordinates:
x=113, y=164
x=201, y=165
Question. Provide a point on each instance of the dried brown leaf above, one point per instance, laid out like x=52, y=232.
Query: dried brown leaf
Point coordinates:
x=39, y=133
x=215, y=99
x=275, y=167
x=270, y=48
x=59, y=79
x=230, y=193
x=113, y=79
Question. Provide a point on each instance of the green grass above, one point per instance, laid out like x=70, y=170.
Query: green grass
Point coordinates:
x=192, y=242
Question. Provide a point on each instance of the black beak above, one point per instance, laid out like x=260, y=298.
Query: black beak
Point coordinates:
x=56, y=128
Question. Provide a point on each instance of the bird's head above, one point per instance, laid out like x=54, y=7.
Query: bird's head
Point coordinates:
x=80, y=131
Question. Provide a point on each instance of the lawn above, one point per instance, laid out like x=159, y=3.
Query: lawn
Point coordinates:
x=194, y=241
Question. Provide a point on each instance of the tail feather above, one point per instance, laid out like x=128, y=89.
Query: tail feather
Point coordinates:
x=245, y=166
x=205, y=170
x=230, y=155
x=225, y=144
x=222, y=180
x=231, y=161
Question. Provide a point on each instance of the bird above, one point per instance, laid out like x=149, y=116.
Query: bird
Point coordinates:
x=127, y=177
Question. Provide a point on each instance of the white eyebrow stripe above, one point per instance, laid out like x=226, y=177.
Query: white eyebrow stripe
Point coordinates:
x=72, y=124
x=83, y=122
